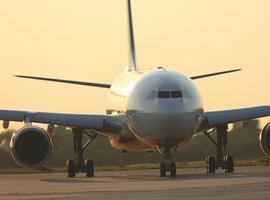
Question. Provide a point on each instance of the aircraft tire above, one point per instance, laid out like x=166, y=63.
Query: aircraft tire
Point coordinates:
x=71, y=168
x=210, y=165
x=162, y=169
x=173, y=169
x=229, y=165
x=89, y=168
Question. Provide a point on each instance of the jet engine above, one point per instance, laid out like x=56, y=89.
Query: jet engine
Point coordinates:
x=265, y=140
x=31, y=146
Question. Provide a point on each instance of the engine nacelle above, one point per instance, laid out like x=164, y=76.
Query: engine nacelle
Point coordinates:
x=265, y=140
x=31, y=146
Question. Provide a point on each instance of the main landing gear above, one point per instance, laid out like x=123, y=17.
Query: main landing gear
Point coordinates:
x=168, y=165
x=219, y=161
x=80, y=165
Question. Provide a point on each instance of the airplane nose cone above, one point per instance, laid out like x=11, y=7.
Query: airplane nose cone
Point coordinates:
x=174, y=125
x=169, y=108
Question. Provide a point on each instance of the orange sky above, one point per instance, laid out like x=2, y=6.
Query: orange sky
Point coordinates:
x=87, y=40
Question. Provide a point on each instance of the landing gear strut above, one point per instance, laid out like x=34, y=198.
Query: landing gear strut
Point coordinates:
x=79, y=165
x=168, y=165
x=219, y=161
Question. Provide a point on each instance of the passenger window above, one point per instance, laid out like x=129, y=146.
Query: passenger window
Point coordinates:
x=164, y=94
x=152, y=95
x=176, y=94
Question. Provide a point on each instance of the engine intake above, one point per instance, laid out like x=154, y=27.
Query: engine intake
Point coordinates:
x=265, y=140
x=31, y=146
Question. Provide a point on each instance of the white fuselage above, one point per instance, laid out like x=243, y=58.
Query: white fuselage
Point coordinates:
x=162, y=107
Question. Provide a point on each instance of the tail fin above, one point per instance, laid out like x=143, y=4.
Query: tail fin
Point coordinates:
x=132, y=49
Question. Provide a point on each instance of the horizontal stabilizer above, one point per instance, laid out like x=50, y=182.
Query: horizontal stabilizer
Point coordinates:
x=214, y=74
x=92, y=84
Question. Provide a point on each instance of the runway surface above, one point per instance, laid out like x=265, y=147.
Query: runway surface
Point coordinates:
x=246, y=183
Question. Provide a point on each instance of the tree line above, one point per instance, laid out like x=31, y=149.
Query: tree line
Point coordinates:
x=243, y=144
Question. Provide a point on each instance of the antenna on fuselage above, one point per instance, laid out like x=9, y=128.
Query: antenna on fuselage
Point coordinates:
x=132, y=49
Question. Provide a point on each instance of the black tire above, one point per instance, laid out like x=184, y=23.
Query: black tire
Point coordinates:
x=229, y=165
x=173, y=169
x=162, y=169
x=210, y=165
x=89, y=168
x=71, y=168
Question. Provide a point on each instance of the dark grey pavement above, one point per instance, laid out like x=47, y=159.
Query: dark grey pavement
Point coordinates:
x=247, y=183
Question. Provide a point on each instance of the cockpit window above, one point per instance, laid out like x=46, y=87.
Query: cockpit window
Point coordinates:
x=152, y=95
x=164, y=95
x=176, y=94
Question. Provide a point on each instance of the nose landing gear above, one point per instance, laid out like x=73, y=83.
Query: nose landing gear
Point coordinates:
x=168, y=165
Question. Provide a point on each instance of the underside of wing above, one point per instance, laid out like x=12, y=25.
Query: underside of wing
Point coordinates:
x=96, y=122
x=219, y=118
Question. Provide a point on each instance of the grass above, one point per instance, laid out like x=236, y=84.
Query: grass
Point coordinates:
x=145, y=166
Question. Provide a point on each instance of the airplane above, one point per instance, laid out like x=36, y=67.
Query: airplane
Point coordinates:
x=149, y=110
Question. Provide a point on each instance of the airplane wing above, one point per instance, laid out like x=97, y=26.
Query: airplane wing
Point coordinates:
x=218, y=118
x=95, y=122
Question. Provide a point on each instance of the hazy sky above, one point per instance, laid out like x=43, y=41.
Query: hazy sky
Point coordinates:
x=87, y=40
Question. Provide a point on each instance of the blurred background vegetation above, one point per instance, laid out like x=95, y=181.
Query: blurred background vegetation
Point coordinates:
x=243, y=144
